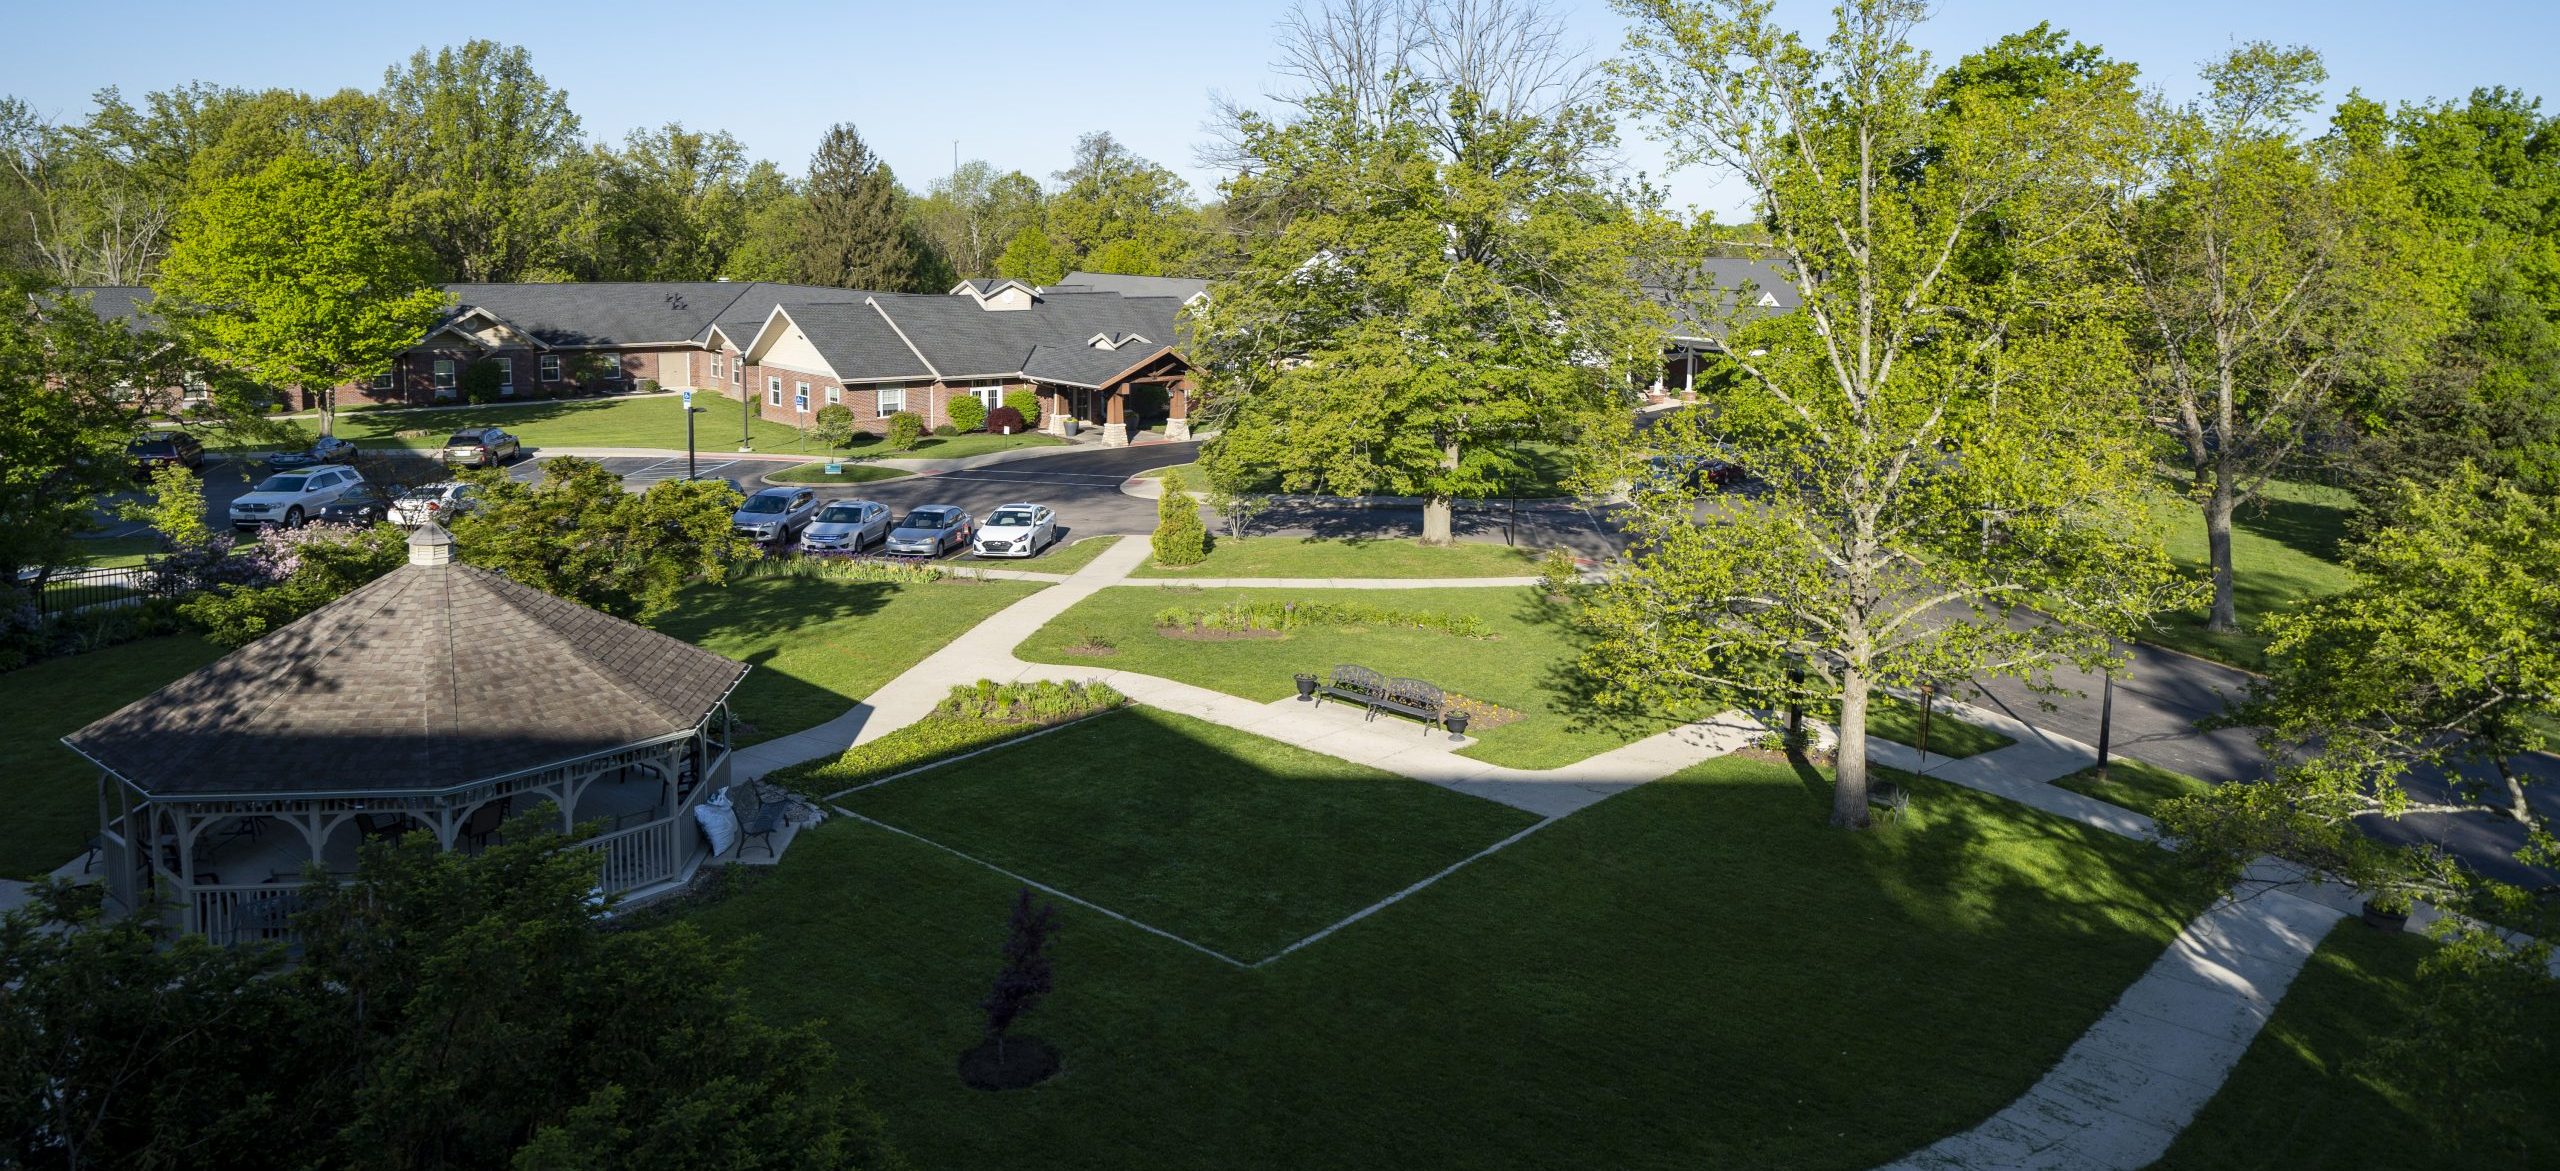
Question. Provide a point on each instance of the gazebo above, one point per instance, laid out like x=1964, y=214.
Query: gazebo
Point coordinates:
x=440, y=699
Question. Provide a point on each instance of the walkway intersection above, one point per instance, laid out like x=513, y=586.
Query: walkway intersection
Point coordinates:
x=2117, y=1098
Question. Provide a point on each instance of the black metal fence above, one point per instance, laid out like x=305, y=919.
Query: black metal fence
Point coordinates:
x=72, y=589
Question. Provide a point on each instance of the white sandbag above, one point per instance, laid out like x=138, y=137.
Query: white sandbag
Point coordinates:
x=719, y=823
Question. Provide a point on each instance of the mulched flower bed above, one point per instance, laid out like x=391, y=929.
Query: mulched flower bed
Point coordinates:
x=1481, y=714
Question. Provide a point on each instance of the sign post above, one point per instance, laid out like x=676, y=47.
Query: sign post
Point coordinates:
x=688, y=435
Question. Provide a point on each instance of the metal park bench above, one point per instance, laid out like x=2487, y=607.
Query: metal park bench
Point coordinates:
x=1351, y=683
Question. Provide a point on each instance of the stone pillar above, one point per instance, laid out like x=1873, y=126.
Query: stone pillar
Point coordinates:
x=1053, y=410
x=1115, y=426
x=1177, y=425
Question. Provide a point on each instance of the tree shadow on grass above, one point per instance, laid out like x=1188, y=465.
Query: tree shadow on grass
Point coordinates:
x=2311, y=528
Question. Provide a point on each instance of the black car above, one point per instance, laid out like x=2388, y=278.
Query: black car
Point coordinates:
x=149, y=452
x=363, y=504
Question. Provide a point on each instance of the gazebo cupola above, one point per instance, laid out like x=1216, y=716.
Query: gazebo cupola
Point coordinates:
x=440, y=698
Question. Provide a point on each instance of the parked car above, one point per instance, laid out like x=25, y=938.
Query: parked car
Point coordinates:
x=328, y=449
x=1015, y=530
x=1691, y=471
x=481, y=447
x=152, y=450
x=931, y=531
x=363, y=504
x=846, y=526
x=776, y=514
x=435, y=502
x=290, y=498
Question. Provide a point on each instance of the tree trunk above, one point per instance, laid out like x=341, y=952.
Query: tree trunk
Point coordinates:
x=1437, y=508
x=328, y=400
x=1849, y=770
x=2516, y=806
x=2217, y=535
x=1436, y=512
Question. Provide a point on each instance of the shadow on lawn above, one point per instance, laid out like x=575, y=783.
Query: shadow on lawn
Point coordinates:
x=755, y=612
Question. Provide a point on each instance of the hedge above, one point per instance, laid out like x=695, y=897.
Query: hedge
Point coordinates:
x=946, y=734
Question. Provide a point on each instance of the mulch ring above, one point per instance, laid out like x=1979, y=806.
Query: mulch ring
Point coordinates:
x=1018, y=1063
x=1481, y=714
x=1205, y=634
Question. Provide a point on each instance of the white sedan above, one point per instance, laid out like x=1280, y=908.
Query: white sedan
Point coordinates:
x=290, y=498
x=435, y=502
x=1015, y=530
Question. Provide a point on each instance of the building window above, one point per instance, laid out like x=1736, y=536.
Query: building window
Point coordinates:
x=893, y=399
x=551, y=367
x=719, y=368
x=506, y=375
x=612, y=366
x=800, y=396
x=738, y=373
x=384, y=381
x=835, y=394
x=989, y=397
x=773, y=391
x=444, y=375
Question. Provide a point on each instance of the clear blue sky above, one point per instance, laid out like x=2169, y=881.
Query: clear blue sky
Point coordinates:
x=1014, y=81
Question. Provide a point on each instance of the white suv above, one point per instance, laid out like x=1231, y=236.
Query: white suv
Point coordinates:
x=289, y=498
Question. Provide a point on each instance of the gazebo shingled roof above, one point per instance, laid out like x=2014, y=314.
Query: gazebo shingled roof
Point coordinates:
x=434, y=677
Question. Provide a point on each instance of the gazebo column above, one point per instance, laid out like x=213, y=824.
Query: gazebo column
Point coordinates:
x=1115, y=423
x=1177, y=424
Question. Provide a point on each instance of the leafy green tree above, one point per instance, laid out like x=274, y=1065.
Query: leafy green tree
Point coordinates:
x=834, y=425
x=972, y=213
x=292, y=276
x=676, y=204
x=1180, y=538
x=1110, y=195
x=852, y=220
x=65, y=414
x=2270, y=273
x=174, y=507
x=447, y=1010
x=578, y=535
x=1025, y=402
x=476, y=142
x=1031, y=257
x=1941, y=450
x=2441, y=655
x=1445, y=278
x=481, y=381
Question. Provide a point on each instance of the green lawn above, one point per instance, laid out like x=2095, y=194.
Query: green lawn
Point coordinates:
x=1069, y=556
x=2294, y=1101
x=820, y=646
x=1523, y=667
x=2282, y=548
x=815, y=472
x=2131, y=783
x=113, y=552
x=1318, y=557
x=1192, y=470
x=1696, y=973
x=1141, y=810
x=1897, y=719
x=52, y=794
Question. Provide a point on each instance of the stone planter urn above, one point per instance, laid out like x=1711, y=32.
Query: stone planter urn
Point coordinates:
x=1306, y=688
x=1457, y=723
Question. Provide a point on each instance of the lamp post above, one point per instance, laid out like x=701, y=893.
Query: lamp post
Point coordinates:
x=690, y=411
x=746, y=417
x=2106, y=720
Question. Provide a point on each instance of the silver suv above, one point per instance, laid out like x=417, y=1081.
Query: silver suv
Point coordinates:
x=775, y=514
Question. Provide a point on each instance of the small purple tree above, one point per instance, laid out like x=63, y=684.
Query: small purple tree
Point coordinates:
x=1025, y=977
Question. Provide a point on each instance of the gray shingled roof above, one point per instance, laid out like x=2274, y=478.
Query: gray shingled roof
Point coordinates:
x=1086, y=366
x=1180, y=288
x=855, y=340
x=127, y=303
x=430, y=678
x=1737, y=287
x=963, y=340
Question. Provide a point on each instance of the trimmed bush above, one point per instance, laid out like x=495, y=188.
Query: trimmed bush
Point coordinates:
x=1180, y=538
x=905, y=428
x=1286, y=616
x=1007, y=421
x=834, y=425
x=1024, y=402
x=481, y=380
x=946, y=430
x=1018, y=710
x=967, y=413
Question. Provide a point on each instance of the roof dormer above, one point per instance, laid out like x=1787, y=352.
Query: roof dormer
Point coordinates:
x=998, y=295
x=1113, y=341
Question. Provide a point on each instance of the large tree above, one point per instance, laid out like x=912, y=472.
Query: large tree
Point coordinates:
x=1939, y=426
x=1441, y=276
x=2271, y=272
x=974, y=212
x=293, y=276
x=1111, y=198
x=476, y=139
x=445, y=1011
x=853, y=231
x=674, y=204
x=578, y=535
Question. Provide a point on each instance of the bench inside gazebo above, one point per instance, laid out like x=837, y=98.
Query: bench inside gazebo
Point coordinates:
x=439, y=699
